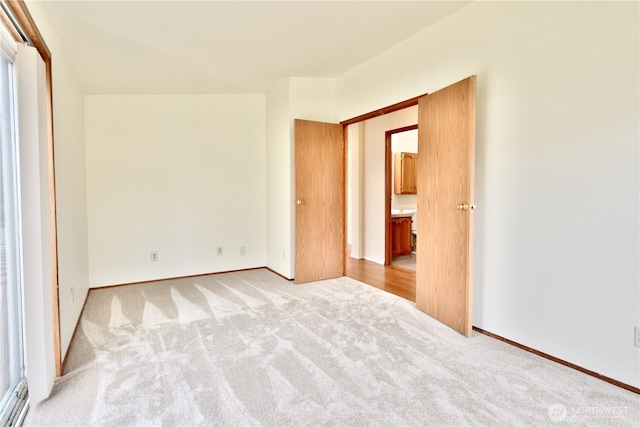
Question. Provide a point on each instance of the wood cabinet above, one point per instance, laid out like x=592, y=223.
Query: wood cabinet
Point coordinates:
x=401, y=236
x=404, y=176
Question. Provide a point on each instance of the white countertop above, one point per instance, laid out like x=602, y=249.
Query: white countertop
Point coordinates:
x=400, y=213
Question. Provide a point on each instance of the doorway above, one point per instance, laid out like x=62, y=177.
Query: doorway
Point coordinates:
x=446, y=125
x=401, y=151
x=369, y=181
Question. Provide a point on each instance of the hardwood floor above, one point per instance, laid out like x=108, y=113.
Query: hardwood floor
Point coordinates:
x=396, y=280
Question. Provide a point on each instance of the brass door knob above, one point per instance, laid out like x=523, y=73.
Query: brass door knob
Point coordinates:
x=465, y=207
x=299, y=202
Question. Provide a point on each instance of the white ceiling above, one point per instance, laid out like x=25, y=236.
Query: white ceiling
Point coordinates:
x=228, y=46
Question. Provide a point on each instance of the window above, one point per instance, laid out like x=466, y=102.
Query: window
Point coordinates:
x=13, y=391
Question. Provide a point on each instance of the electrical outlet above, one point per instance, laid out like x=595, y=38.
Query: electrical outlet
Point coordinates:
x=154, y=256
x=73, y=296
x=243, y=250
x=636, y=337
x=219, y=251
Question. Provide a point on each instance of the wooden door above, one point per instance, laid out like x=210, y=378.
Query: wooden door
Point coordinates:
x=404, y=236
x=401, y=236
x=395, y=237
x=409, y=173
x=446, y=141
x=320, y=216
x=404, y=179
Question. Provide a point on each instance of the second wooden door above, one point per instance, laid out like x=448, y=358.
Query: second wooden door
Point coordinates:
x=446, y=141
x=319, y=174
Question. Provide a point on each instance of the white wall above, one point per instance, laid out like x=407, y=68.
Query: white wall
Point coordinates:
x=177, y=174
x=312, y=99
x=557, y=166
x=374, y=179
x=292, y=98
x=279, y=182
x=71, y=193
x=355, y=187
x=406, y=142
x=71, y=199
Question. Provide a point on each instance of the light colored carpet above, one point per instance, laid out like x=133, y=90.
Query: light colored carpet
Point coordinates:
x=250, y=348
